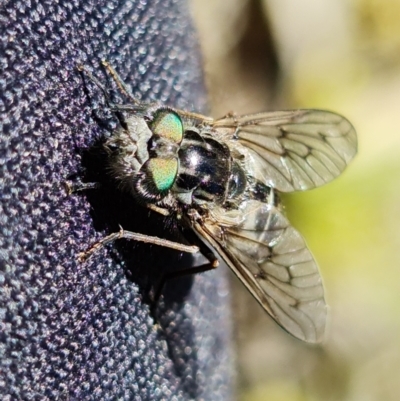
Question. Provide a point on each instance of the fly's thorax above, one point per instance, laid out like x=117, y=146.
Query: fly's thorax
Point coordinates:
x=205, y=166
x=144, y=153
x=208, y=172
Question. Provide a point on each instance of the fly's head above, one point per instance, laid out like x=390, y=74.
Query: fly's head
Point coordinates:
x=144, y=152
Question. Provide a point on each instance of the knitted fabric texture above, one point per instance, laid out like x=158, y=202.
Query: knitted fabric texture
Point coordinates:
x=84, y=331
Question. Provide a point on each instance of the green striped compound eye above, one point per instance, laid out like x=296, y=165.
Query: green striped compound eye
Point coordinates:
x=163, y=172
x=167, y=124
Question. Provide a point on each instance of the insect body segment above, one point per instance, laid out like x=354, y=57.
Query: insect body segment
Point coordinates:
x=223, y=177
x=205, y=169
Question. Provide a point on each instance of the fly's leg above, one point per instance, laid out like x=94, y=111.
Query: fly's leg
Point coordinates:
x=212, y=264
x=115, y=107
x=158, y=209
x=103, y=89
x=78, y=186
x=120, y=83
x=136, y=237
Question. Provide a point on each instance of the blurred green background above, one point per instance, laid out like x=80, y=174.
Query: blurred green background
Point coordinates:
x=341, y=55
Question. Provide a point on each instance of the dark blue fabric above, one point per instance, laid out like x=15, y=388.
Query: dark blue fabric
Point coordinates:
x=83, y=331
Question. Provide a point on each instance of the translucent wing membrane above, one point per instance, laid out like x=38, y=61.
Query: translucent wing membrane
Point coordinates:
x=272, y=260
x=293, y=150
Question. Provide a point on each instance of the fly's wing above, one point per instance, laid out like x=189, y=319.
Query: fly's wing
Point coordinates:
x=291, y=150
x=272, y=260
